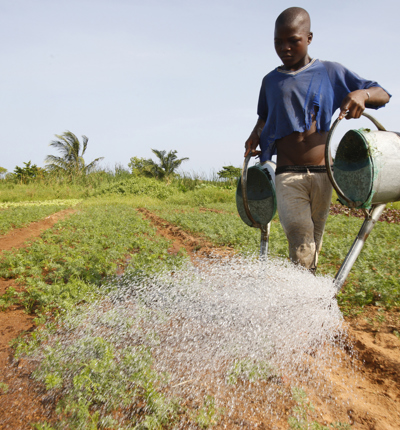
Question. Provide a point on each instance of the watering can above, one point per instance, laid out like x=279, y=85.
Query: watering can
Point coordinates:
x=366, y=175
x=256, y=198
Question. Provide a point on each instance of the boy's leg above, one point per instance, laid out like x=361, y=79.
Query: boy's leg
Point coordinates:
x=294, y=208
x=321, y=196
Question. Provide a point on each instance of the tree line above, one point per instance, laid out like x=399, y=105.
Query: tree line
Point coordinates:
x=70, y=163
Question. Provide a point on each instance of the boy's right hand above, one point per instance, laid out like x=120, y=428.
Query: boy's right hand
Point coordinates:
x=251, y=144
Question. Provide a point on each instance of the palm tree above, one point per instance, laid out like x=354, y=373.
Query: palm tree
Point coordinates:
x=71, y=160
x=168, y=163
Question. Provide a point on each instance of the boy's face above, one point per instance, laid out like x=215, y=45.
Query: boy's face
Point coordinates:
x=291, y=45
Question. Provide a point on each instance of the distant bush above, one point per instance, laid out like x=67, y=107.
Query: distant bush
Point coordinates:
x=28, y=173
x=230, y=172
x=139, y=186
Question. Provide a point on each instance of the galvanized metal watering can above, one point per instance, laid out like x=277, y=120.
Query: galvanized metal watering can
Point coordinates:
x=366, y=175
x=256, y=198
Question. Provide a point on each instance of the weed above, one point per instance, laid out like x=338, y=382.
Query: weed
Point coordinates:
x=381, y=317
x=300, y=420
x=208, y=415
x=3, y=388
x=248, y=370
x=9, y=298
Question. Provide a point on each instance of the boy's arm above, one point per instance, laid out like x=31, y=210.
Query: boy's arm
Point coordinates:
x=254, y=140
x=354, y=103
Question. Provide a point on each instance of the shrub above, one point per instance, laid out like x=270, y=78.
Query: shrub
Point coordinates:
x=139, y=186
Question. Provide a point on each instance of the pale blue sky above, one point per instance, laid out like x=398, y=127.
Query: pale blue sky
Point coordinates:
x=135, y=75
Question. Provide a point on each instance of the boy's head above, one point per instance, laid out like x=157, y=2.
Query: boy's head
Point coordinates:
x=292, y=37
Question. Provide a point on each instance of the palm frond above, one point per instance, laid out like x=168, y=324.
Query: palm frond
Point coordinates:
x=72, y=152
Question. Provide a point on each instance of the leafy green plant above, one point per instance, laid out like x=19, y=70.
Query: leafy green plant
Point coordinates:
x=96, y=379
x=300, y=419
x=374, y=278
x=248, y=370
x=9, y=298
x=3, y=388
x=208, y=415
x=142, y=167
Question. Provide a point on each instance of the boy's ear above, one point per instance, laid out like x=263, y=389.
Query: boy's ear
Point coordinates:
x=310, y=37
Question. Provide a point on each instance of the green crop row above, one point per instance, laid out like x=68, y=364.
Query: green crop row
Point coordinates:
x=71, y=259
x=65, y=202
x=223, y=228
x=21, y=214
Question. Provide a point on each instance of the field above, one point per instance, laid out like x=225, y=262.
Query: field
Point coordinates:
x=140, y=304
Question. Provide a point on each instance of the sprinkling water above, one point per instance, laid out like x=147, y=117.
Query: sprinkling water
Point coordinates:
x=238, y=331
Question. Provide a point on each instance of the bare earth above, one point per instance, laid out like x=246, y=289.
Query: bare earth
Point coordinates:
x=372, y=369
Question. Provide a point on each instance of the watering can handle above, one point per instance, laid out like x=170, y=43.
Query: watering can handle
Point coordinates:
x=339, y=192
x=244, y=193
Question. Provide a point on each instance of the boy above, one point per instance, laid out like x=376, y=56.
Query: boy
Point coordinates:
x=295, y=107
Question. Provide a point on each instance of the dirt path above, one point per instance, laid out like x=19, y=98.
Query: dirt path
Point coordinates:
x=13, y=322
x=16, y=238
x=195, y=245
x=374, y=374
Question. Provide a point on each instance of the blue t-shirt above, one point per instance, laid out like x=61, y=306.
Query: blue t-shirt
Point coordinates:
x=289, y=99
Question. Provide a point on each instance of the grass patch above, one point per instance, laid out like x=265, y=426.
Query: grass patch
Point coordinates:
x=374, y=278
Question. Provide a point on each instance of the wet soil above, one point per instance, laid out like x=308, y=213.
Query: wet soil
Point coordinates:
x=371, y=367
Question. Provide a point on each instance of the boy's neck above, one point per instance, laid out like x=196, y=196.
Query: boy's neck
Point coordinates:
x=307, y=59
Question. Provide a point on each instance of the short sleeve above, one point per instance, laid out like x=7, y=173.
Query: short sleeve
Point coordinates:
x=344, y=81
x=262, y=109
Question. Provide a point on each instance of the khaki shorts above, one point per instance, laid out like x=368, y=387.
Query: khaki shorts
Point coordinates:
x=303, y=206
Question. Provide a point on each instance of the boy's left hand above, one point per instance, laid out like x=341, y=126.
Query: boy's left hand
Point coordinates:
x=353, y=105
